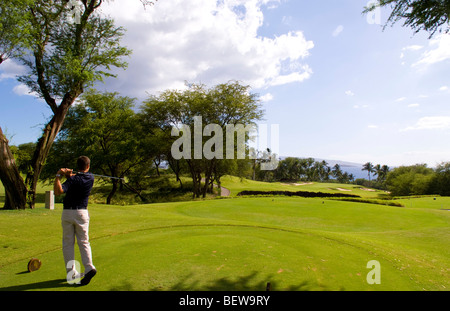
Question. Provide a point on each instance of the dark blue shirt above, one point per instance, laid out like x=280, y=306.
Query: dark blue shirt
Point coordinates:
x=77, y=189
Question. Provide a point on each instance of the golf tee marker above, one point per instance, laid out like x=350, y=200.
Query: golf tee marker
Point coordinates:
x=50, y=200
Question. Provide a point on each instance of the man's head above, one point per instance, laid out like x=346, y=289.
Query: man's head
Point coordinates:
x=83, y=164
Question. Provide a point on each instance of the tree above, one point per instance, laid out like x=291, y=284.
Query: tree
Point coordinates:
x=351, y=178
x=381, y=173
x=103, y=126
x=428, y=15
x=369, y=168
x=324, y=171
x=63, y=59
x=287, y=170
x=337, y=172
x=15, y=190
x=23, y=156
x=224, y=104
x=14, y=26
x=308, y=166
x=441, y=182
x=410, y=180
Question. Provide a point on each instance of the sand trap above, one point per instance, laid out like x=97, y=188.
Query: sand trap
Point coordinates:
x=294, y=184
x=341, y=189
x=366, y=189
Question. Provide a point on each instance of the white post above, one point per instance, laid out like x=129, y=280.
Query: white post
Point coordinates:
x=49, y=200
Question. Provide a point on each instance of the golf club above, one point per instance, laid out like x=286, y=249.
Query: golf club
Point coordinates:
x=96, y=175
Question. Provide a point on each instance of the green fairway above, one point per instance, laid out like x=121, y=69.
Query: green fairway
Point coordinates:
x=236, y=185
x=238, y=244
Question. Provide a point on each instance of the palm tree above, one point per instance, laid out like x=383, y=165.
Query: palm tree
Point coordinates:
x=337, y=172
x=377, y=171
x=383, y=172
x=351, y=177
x=369, y=168
x=326, y=171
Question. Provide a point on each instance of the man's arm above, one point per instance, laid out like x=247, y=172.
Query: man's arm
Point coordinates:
x=57, y=186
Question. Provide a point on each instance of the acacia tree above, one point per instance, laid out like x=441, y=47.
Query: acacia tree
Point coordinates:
x=428, y=15
x=13, y=27
x=63, y=59
x=222, y=105
x=102, y=126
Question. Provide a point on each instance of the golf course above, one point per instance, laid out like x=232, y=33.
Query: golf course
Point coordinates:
x=240, y=243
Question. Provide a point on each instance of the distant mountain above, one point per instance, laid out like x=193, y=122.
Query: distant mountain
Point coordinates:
x=330, y=162
x=341, y=163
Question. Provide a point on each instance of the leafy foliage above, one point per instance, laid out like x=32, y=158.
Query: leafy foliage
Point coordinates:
x=102, y=126
x=428, y=15
x=223, y=104
x=410, y=180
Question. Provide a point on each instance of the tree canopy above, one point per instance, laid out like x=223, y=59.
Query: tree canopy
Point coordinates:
x=216, y=107
x=63, y=59
x=427, y=15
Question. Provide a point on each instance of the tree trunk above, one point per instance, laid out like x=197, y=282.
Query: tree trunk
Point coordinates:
x=196, y=179
x=15, y=189
x=157, y=163
x=208, y=174
x=113, y=191
x=43, y=147
x=137, y=192
x=175, y=167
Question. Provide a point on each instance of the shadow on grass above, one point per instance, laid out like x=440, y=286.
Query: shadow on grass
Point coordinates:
x=52, y=284
x=250, y=282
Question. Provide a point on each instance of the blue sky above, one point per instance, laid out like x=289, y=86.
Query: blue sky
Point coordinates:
x=338, y=86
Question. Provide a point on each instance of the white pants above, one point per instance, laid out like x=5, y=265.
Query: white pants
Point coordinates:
x=76, y=223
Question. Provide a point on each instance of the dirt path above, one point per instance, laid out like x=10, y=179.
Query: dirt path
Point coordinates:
x=224, y=192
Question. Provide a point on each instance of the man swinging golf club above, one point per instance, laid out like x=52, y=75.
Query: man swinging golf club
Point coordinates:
x=75, y=216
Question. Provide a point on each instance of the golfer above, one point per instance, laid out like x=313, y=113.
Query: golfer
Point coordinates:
x=75, y=216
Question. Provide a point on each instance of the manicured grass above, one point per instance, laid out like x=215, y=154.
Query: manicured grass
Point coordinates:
x=236, y=185
x=238, y=244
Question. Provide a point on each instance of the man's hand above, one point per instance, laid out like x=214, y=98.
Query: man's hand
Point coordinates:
x=65, y=172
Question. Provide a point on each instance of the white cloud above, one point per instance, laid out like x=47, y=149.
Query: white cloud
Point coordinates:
x=23, y=90
x=400, y=99
x=412, y=48
x=431, y=123
x=205, y=41
x=349, y=93
x=339, y=29
x=11, y=69
x=444, y=88
x=413, y=105
x=372, y=126
x=266, y=98
x=439, y=50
